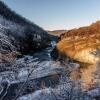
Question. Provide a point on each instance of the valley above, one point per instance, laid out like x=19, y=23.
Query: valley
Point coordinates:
x=36, y=64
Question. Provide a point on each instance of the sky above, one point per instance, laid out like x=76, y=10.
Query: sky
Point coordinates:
x=57, y=14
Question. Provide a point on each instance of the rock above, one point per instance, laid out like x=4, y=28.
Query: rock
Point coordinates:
x=54, y=54
x=39, y=95
x=27, y=76
x=62, y=92
x=94, y=93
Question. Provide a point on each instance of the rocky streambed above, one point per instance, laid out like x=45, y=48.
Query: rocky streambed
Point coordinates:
x=38, y=77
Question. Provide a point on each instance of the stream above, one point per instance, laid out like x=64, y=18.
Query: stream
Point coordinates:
x=88, y=74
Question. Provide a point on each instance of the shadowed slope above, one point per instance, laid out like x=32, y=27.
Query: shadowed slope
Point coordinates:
x=25, y=35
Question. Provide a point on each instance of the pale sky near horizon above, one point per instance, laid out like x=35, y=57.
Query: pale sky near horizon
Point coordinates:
x=57, y=14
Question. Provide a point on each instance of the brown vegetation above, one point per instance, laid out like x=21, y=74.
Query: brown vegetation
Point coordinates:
x=83, y=31
x=78, y=43
x=8, y=57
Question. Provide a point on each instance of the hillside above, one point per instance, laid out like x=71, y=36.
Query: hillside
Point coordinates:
x=25, y=35
x=83, y=31
x=11, y=15
x=79, y=43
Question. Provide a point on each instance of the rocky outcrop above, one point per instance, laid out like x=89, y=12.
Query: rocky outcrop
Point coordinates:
x=19, y=33
x=94, y=93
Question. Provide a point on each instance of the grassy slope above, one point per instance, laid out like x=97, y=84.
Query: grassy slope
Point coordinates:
x=76, y=41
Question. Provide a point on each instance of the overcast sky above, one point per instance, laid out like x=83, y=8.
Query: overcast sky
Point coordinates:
x=57, y=14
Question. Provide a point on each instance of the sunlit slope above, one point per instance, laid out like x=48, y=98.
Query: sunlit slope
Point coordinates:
x=79, y=47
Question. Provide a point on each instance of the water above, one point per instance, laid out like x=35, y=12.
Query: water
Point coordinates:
x=87, y=74
x=53, y=44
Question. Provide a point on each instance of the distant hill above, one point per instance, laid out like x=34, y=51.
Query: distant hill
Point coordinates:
x=57, y=32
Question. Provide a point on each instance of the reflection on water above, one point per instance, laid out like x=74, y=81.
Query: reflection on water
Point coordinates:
x=86, y=74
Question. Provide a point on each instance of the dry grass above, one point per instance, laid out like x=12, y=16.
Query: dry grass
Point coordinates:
x=8, y=57
x=78, y=41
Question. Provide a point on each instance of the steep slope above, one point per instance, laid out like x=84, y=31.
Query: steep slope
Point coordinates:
x=79, y=44
x=25, y=35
